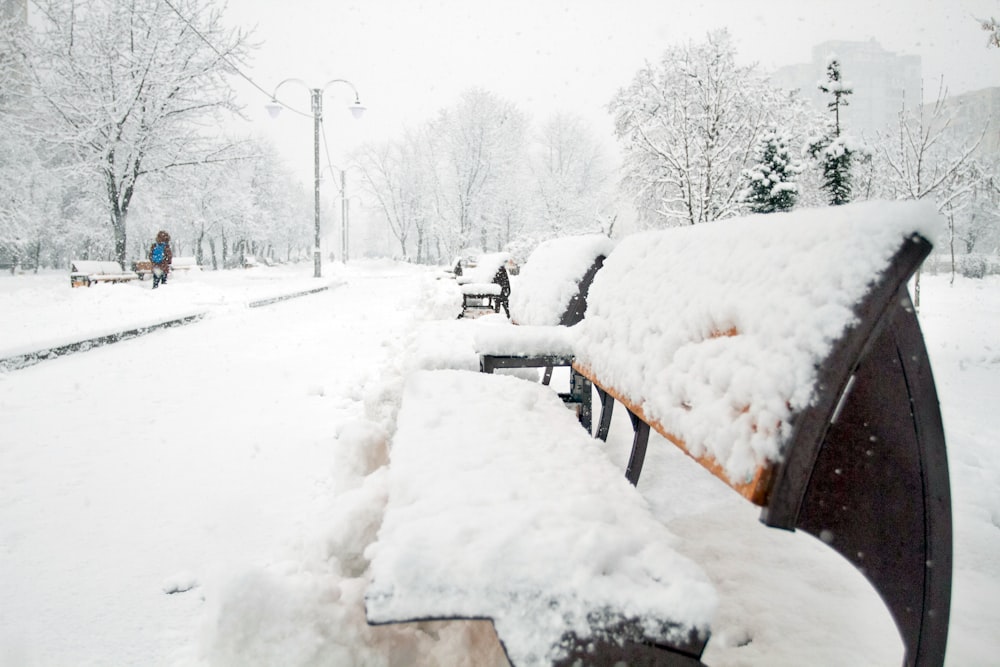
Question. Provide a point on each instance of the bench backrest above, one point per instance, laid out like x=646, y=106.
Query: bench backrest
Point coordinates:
x=716, y=332
x=552, y=286
x=95, y=267
x=783, y=353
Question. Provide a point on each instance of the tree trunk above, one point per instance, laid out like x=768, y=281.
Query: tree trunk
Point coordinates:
x=199, y=252
x=215, y=259
x=951, y=244
x=118, y=227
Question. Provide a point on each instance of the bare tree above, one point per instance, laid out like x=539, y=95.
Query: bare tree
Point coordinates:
x=254, y=201
x=991, y=26
x=572, y=175
x=395, y=174
x=478, y=146
x=922, y=159
x=129, y=87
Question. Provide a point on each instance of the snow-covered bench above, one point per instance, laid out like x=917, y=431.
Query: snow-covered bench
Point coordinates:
x=781, y=352
x=485, y=286
x=552, y=286
x=184, y=264
x=85, y=272
x=526, y=523
x=142, y=268
x=551, y=292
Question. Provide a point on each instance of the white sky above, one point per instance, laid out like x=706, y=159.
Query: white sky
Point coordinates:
x=410, y=58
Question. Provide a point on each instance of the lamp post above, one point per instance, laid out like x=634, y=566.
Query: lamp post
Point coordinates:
x=357, y=109
x=344, y=209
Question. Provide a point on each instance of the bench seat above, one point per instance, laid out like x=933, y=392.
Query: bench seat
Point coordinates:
x=549, y=540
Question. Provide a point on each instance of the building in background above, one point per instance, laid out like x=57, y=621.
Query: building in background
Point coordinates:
x=883, y=82
x=971, y=112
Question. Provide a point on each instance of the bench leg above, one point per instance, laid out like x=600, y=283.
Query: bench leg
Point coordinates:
x=547, y=376
x=607, y=407
x=638, y=455
x=580, y=389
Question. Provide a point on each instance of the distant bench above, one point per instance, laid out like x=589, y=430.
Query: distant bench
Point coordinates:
x=485, y=285
x=185, y=264
x=781, y=352
x=84, y=273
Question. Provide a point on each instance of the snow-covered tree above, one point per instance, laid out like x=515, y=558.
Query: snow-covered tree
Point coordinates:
x=394, y=173
x=572, y=177
x=770, y=181
x=834, y=151
x=128, y=88
x=478, y=147
x=687, y=126
x=923, y=158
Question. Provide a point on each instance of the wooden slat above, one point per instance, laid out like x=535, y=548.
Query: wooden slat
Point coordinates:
x=756, y=490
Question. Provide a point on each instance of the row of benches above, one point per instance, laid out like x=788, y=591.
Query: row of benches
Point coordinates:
x=85, y=273
x=780, y=352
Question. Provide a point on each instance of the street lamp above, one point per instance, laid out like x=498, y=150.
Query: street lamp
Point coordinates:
x=344, y=211
x=357, y=109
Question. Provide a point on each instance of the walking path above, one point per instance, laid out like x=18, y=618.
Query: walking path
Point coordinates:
x=175, y=461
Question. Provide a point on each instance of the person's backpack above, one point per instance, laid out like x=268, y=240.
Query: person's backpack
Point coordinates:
x=159, y=252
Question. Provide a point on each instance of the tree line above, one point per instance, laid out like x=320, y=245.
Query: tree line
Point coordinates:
x=481, y=175
x=109, y=110
x=701, y=138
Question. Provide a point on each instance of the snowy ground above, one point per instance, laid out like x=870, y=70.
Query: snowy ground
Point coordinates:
x=203, y=495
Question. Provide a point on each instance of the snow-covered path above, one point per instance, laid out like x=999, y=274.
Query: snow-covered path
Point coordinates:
x=242, y=454
x=172, y=459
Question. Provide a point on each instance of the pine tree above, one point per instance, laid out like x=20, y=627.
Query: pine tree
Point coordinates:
x=770, y=182
x=835, y=152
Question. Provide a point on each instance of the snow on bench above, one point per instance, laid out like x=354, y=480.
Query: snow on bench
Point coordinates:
x=552, y=286
x=184, y=264
x=84, y=272
x=550, y=295
x=526, y=523
x=783, y=353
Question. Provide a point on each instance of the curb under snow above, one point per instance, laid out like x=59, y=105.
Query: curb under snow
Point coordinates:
x=19, y=361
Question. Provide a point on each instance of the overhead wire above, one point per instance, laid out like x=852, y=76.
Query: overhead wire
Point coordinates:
x=271, y=96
